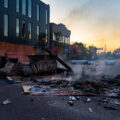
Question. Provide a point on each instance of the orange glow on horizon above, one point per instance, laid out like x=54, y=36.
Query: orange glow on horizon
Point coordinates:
x=91, y=37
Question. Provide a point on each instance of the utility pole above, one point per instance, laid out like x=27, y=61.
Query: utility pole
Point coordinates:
x=105, y=48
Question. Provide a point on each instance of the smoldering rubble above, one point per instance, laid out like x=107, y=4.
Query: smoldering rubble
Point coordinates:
x=105, y=89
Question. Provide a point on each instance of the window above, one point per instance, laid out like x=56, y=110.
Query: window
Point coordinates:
x=6, y=3
x=23, y=29
x=17, y=27
x=6, y=25
x=29, y=31
x=46, y=16
x=38, y=13
x=38, y=32
x=54, y=37
x=29, y=8
x=68, y=40
x=17, y=6
x=46, y=35
x=63, y=39
x=24, y=7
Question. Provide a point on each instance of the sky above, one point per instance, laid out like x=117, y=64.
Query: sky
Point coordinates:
x=93, y=22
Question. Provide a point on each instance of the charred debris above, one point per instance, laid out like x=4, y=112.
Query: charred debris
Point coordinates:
x=43, y=77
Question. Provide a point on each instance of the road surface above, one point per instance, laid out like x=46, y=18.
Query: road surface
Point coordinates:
x=25, y=107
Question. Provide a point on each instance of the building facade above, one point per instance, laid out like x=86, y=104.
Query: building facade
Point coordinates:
x=60, y=40
x=22, y=23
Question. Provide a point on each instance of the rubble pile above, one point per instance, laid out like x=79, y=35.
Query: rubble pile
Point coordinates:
x=26, y=69
x=106, y=89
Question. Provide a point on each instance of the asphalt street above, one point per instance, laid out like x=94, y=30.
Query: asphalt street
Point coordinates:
x=25, y=107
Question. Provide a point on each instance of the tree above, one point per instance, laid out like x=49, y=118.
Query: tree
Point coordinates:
x=80, y=51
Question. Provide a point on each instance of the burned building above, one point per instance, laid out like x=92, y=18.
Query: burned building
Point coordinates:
x=22, y=22
x=60, y=40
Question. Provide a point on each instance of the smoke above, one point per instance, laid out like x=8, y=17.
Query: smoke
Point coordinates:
x=97, y=21
x=96, y=71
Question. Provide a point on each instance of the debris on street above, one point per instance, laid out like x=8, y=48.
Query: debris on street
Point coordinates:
x=82, y=88
x=9, y=80
x=88, y=99
x=72, y=98
x=26, y=89
x=90, y=109
x=7, y=69
x=6, y=102
x=71, y=103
